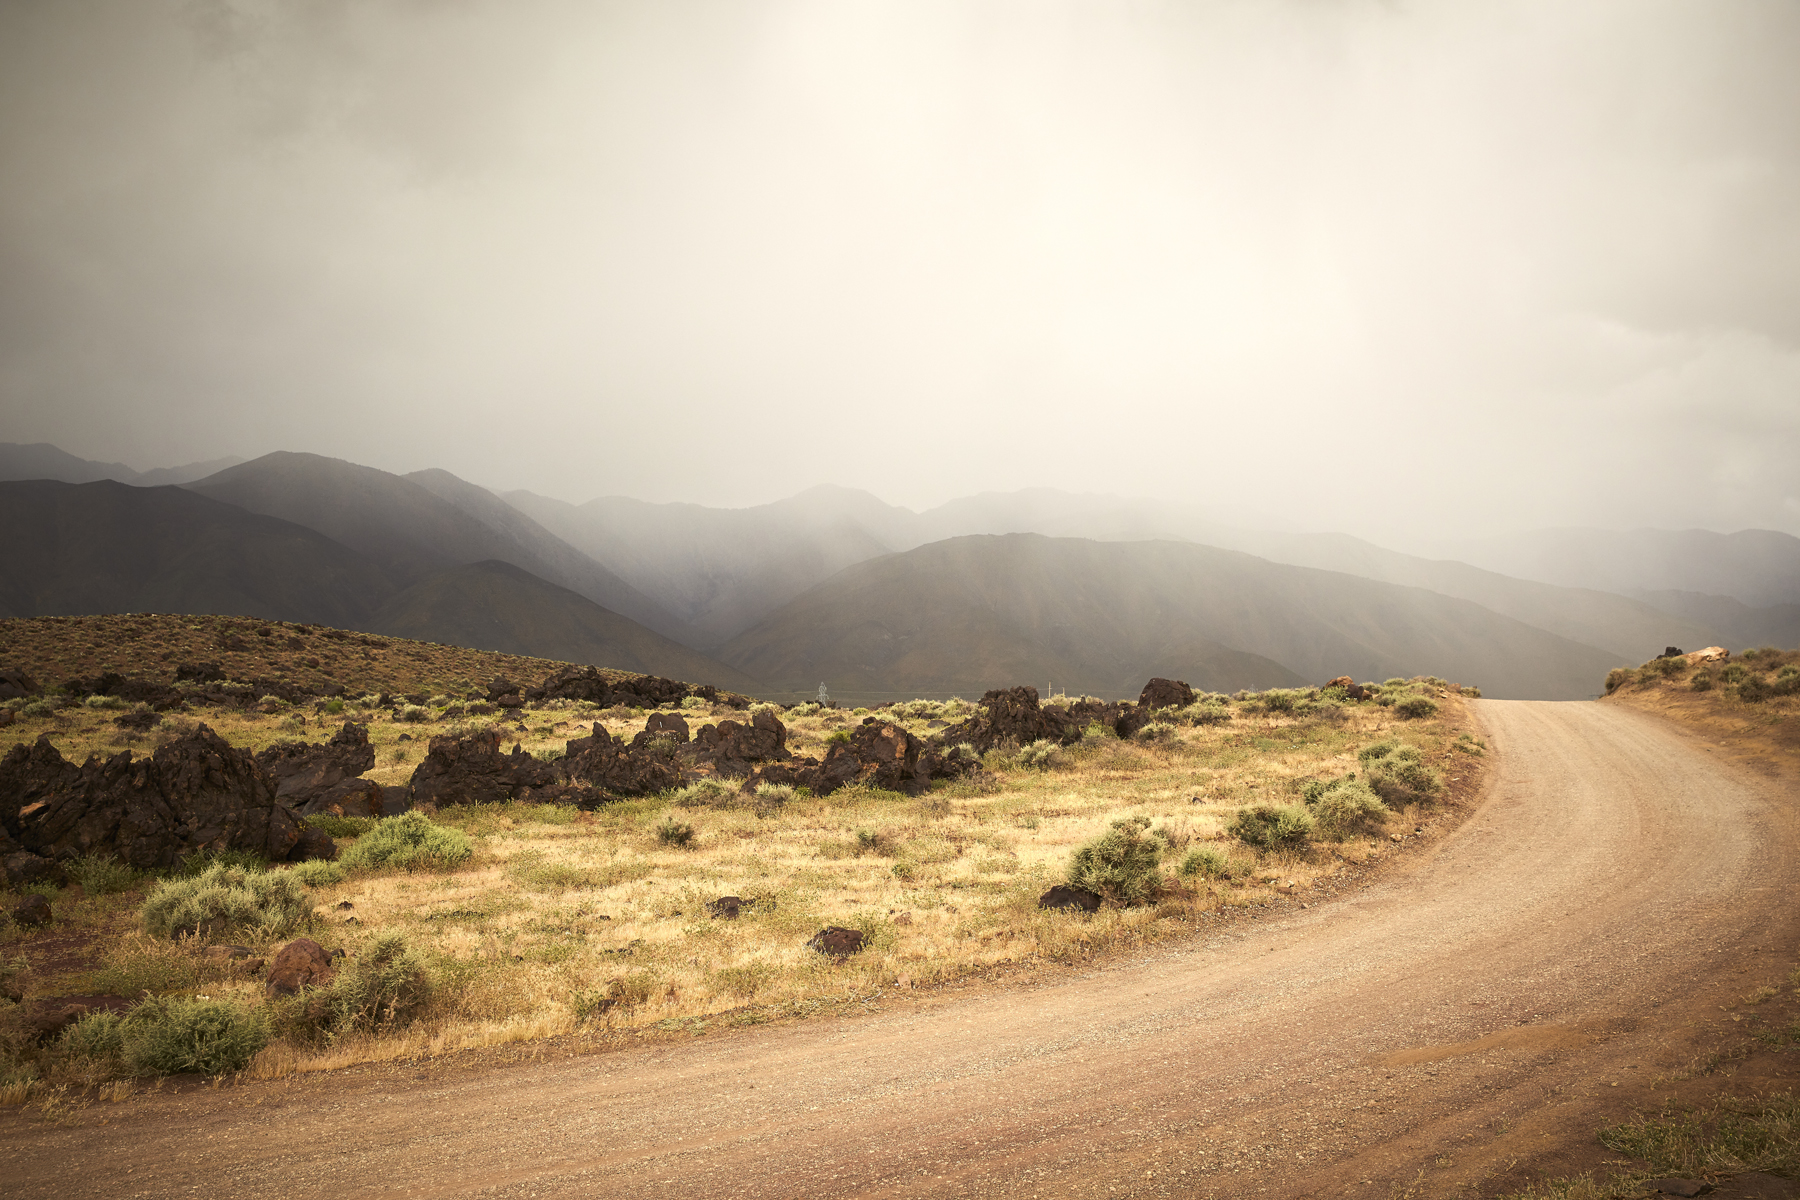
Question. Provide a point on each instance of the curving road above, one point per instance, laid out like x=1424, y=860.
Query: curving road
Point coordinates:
x=1466, y=1011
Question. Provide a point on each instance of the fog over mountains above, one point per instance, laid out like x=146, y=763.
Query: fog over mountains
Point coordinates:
x=1088, y=593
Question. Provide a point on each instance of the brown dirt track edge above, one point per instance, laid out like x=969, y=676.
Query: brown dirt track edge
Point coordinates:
x=1463, y=1024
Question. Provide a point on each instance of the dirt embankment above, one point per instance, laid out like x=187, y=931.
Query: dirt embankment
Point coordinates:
x=1559, y=959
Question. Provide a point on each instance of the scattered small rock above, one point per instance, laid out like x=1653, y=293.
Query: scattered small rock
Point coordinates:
x=727, y=907
x=301, y=963
x=1064, y=896
x=836, y=941
x=31, y=912
x=345, y=904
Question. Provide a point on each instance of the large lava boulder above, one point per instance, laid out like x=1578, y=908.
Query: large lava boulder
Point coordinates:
x=605, y=762
x=195, y=793
x=1014, y=715
x=470, y=769
x=304, y=771
x=878, y=754
x=15, y=684
x=572, y=683
x=1165, y=693
x=664, y=725
x=733, y=748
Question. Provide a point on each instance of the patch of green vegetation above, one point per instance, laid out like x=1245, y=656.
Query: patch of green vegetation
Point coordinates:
x=225, y=899
x=1121, y=864
x=410, y=841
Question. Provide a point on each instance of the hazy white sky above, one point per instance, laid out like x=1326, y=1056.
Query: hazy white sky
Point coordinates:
x=1399, y=268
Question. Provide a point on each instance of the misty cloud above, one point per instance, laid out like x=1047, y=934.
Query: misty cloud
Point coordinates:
x=1395, y=268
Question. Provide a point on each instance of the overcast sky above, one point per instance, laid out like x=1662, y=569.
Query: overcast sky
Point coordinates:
x=1404, y=269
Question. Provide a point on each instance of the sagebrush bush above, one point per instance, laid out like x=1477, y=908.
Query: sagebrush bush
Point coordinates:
x=1345, y=807
x=1268, y=827
x=1618, y=677
x=98, y=701
x=1205, y=712
x=1156, y=731
x=383, y=987
x=1208, y=862
x=675, y=833
x=411, y=841
x=202, y=861
x=101, y=874
x=1702, y=681
x=1399, y=774
x=1413, y=706
x=1041, y=755
x=174, y=1035
x=318, y=872
x=413, y=714
x=225, y=898
x=1121, y=864
x=1279, y=700
x=693, y=702
x=705, y=793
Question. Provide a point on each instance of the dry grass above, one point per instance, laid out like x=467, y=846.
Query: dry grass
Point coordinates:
x=565, y=921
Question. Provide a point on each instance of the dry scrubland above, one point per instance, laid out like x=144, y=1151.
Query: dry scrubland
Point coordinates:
x=596, y=924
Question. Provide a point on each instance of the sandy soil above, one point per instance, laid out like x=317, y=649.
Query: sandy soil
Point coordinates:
x=1476, y=1013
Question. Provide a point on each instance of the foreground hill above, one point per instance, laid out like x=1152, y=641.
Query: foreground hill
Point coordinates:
x=497, y=606
x=969, y=613
x=107, y=547
x=417, y=527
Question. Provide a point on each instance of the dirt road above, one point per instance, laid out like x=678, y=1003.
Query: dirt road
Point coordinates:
x=1467, y=1011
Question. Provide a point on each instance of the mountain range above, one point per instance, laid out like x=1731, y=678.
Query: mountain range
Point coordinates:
x=1088, y=593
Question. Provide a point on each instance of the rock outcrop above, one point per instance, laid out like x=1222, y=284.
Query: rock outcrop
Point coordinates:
x=306, y=772
x=1014, y=715
x=608, y=763
x=470, y=769
x=302, y=963
x=835, y=941
x=15, y=685
x=732, y=749
x=1165, y=693
x=197, y=792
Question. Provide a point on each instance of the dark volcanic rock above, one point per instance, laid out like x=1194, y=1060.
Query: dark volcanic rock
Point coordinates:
x=15, y=684
x=305, y=772
x=195, y=793
x=1014, y=715
x=472, y=770
x=727, y=907
x=606, y=762
x=49, y=1016
x=733, y=747
x=358, y=798
x=836, y=941
x=301, y=963
x=1350, y=687
x=1165, y=693
x=32, y=912
x=1064, y=896
x=573, y=683
x=664, y=725
x=22, y=866
x=878, y=754
x=313, y=843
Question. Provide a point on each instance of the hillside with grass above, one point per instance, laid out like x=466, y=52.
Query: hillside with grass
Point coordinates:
x=1748, y=704
x=965, y=614
x=497, y=606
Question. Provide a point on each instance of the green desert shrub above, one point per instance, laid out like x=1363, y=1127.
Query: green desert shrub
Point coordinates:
x=39, y=708
x=705, y=793
x=1269, y=827
x=225, y=898
x=1734, y=673
x=1345, y=807
x=98, y=701
x=1279, y=700
x=1398, y=773
x=1702, y=681
x=692, y=702
x=101, y=874
x=1156, y=731
x=335, y=826
x=318, y=872
x=1413, y=706
x=413, y=714
x=202, y=861
x=1041, y=755
x=678, y=834
x=1207, y=862
x=383, y=987
x=1754, y=689
x=174, y=1035
x=1618, y=677
x=1205, y=712
x=1121, y=864
x=411, y=841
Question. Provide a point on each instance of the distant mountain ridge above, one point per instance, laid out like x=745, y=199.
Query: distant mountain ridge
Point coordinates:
x=107, y=547
x=41, y=460
x=966, y=613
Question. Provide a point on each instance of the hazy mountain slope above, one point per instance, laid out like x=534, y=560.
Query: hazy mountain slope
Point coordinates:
x=496, y=606
x=558, y=561
x=1732, y=623
x=1760, y=567
x=186, y=473
x=1629, y=628
x=723, y=569
x=41, y=460
x=986, y=610
x=408, y=528
x=106, y=547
